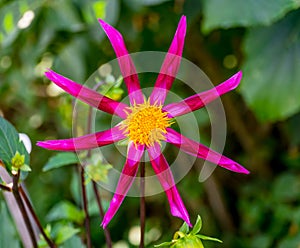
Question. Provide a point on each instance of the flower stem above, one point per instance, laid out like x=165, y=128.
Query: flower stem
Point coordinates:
x=101, y=211
x=142, y=204
x=85, y=207
x=6, y=188
x=34, y=216
x=80, y=170
x=16, y=193
x=96, y=191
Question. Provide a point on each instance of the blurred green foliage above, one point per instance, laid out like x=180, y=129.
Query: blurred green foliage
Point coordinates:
x=259, y=37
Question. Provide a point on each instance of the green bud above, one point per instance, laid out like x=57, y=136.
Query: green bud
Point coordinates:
x=184, y=238
x=18, y=163
x=18, y=160
x=188, y=242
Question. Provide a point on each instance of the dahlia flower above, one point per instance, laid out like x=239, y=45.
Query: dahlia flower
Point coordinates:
x=146, y=122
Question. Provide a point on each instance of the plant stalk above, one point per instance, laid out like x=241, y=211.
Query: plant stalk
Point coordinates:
x=142, y=204
x=96, y=191
x=101, y=212
x=80, y=170
x=16, y=193
x=6, y=188
x=85, y=208
x=35, y=218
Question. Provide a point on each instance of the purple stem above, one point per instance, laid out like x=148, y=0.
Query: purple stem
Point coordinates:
x=85, y=207
x=35, y=218
x=6, y=188
x=16, y=193
x=142, y=204
x=96, y=191
x=101, y=211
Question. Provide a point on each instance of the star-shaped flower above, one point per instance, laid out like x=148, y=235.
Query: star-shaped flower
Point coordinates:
x=146, y=122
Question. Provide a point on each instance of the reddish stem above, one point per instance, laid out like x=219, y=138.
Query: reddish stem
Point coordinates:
x=16, y=193
x=34, y=216
x=142, y=204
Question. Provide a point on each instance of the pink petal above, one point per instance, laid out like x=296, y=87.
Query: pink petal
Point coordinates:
x=87, y=95
x=126, y=65
x=170, y=65
x=85, y=142
x=126, y=179
x=164, y=174
x=197, y=101
x=198, y=150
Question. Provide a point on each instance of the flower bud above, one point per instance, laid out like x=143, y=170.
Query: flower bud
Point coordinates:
x=188, y=241
x=18, y=160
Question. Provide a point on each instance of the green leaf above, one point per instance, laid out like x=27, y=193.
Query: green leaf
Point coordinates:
x=73, y=66
x=10, y=144
x=270, y=84
x=62, y=15
x=153, y=2
x=8, y=22
x=203, y=237
x=262, y=241
x=197, y=226
x=290, y=241
x=138, y=4
x=236, y=13
x=72, y=242
x=25, y=167
x=99, y=8
x=184, y=228
x=286, y=188
x=98, y=172
x=164, y=244
x=10, y=15
x=60, y=160
x=64, y=233
x=66, y=211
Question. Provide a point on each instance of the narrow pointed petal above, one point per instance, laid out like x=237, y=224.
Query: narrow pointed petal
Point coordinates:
x=201, y=151
x=126, y=64
x=85, y=142
x=87, y=95
x=170, y=65
x=198, y=101
x=126, y=179
x=165, y=177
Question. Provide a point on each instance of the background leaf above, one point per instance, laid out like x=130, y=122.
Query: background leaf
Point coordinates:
x=10, y=14
x=236, y=13
x=60, y=160
x=271, y=72
x=66, y=211
x=64, y=233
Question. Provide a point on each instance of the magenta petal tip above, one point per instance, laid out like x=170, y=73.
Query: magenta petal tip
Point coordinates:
x=42, y=144
x=102, y=22
x=243, y=170
x=104, y=224
x=53, y=76
x=236, y=79
x=183, y=20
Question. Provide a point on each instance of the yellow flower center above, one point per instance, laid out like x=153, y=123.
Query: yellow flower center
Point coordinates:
x=146, y=124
